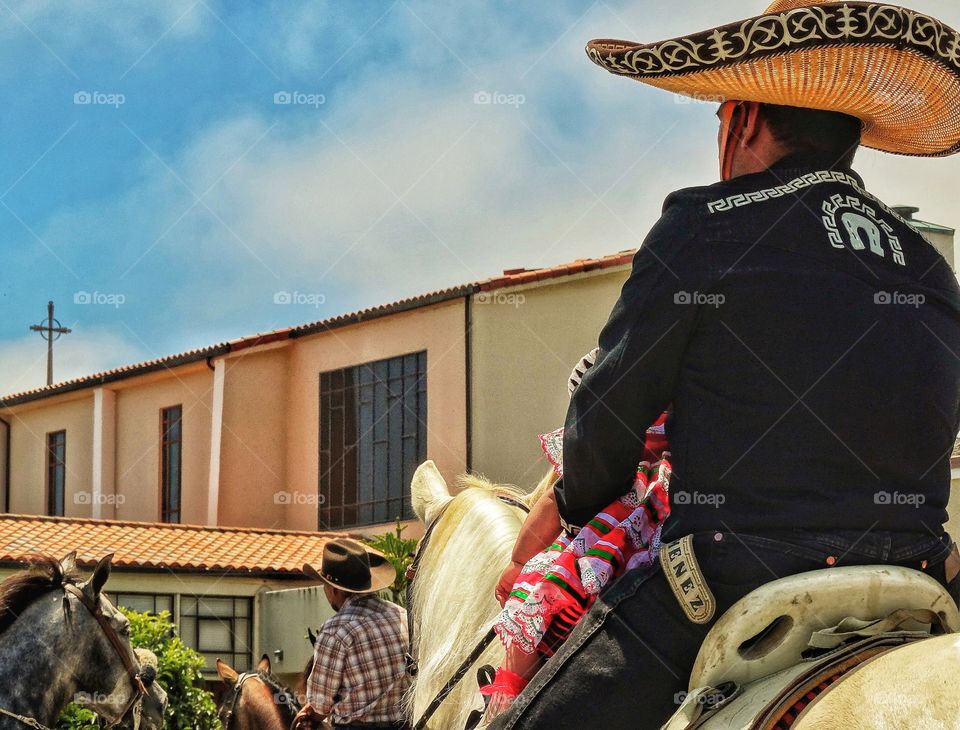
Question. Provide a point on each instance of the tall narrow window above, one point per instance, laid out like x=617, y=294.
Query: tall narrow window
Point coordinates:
x=171, y=446
x=373, y=434
x=56, y=472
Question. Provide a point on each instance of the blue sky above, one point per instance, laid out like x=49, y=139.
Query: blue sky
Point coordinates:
x=148, y=167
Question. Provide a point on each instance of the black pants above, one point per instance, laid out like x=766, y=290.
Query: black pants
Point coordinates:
x=626, y=665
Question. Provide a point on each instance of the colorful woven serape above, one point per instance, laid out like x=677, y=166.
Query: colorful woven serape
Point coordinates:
x=558, y=585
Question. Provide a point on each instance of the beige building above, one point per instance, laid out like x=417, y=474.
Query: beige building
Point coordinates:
x=320, y=426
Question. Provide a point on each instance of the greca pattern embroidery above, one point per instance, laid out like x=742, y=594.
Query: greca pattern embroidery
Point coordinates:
x=768, y=35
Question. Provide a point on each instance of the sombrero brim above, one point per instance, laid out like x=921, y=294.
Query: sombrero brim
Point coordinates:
x=895, y=69
x=382, y=574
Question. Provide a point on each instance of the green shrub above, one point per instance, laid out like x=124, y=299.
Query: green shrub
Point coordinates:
x=190, y=707
x=399, y=551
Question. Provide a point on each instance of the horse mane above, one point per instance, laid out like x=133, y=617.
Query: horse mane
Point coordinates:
x=469, y=547
x=288, y=708
x=42, y=575
x=478, y=481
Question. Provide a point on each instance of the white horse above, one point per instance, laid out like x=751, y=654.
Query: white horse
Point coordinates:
x=453, y=606
x=453, y=592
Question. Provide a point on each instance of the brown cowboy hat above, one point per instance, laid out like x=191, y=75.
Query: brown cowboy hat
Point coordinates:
x=350, y=566
x=896, y=70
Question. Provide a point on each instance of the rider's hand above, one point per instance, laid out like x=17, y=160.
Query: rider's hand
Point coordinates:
x=507, y=579
x=308, y=717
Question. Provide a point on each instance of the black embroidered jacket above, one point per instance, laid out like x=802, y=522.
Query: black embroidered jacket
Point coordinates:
x=807, y=340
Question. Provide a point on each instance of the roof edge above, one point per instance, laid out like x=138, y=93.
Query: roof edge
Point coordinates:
x=509, y=279
x=22, y=517
x=366, y=315
x=111, y=376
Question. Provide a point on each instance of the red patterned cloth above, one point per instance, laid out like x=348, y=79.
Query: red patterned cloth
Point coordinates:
x=558, y=585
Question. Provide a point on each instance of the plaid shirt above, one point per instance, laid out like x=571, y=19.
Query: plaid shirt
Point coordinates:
x=359, y=673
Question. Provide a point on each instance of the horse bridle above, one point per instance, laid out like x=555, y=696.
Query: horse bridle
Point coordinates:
x=478, y=650
x=133, y=671
x=230, y=706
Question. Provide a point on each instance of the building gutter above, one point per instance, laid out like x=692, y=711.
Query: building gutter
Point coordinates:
x=468, y=376
x=6, y=465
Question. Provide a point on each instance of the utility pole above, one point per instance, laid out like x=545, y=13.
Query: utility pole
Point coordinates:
x=51, y=332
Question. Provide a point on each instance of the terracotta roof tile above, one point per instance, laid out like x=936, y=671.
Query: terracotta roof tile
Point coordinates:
x=510, y=277
x=156, y=546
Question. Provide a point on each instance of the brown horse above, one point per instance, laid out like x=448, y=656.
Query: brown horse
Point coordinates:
x=256, y=700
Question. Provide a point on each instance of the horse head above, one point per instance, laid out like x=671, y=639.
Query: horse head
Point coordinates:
x=469, y=538
x=255, y=700
x=61, y=640
x=111, y=680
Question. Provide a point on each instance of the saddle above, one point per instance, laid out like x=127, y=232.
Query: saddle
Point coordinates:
x=783, y=645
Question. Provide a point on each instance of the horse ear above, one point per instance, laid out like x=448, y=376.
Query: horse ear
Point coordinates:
x=227, y=673
x=428, y=491
x=100, y=575
x=68, y=564
x=264, y=664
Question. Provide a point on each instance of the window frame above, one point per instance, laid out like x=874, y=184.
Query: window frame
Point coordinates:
x=56, y=467
x=169, y=512
x=116, y=598
x=391, y=440
x=192, y=638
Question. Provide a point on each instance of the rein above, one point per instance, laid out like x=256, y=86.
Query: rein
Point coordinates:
x=477, y=650
x=133, y=671
x=231, y=705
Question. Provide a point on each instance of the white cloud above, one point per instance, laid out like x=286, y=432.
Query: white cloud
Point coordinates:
x=23, y=361
x=312, y=201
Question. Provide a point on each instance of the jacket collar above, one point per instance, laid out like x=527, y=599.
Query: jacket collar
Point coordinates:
x=797, y=164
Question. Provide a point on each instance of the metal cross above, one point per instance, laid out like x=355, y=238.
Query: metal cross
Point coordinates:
x=51, y=332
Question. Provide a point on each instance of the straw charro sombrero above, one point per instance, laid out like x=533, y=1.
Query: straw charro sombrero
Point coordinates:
x=896, y=70
x=353, y=568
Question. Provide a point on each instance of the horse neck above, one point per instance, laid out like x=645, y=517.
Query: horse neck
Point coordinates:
x=256, y=709
x=39, y=663
x=453, y=602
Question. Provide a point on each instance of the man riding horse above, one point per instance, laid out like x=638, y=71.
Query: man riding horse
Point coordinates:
x=803, y=337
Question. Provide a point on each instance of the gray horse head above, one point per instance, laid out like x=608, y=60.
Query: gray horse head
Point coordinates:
x=54, y=649
x=147, y=713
